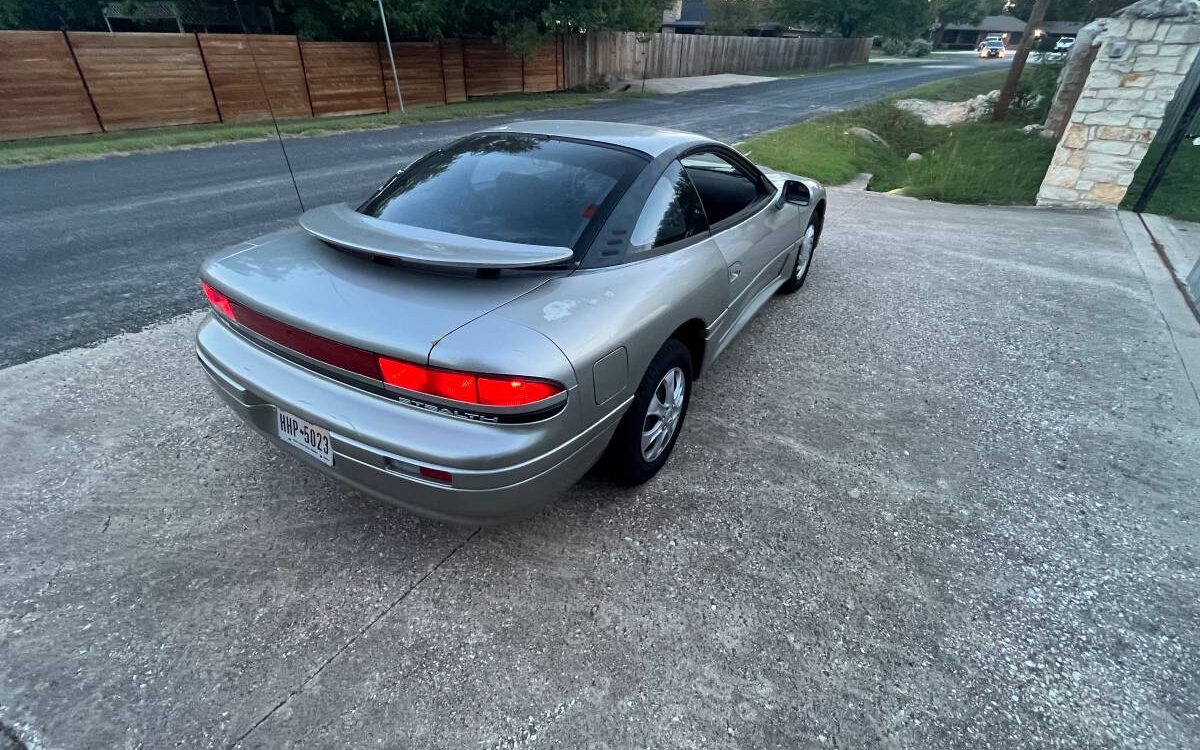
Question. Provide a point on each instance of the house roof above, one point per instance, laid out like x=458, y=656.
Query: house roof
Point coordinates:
x=990, y=23
x=1010, y=24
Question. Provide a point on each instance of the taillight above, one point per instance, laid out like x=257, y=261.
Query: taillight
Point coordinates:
x=466, y=387
x=218, y=300
x=463, y=387
x=514, y=391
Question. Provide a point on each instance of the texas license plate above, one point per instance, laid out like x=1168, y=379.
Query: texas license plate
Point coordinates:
x=304, y=435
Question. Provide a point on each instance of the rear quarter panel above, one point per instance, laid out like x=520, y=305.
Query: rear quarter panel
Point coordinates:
x=637, y=305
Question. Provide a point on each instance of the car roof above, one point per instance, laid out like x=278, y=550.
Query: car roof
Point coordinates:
x=645, y=138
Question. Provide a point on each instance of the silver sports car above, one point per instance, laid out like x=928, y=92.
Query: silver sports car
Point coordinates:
x=505, y=312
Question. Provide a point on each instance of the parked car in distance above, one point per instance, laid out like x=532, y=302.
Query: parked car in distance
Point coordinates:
x=1064, y=44
x=505, y=311
x=992, y=48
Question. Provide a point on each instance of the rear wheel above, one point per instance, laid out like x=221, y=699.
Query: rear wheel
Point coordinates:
x=647, y=433
x=804, y=257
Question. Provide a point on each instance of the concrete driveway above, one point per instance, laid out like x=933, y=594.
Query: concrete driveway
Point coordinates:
x=944, y=497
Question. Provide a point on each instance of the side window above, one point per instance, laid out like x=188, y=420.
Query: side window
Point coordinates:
x=724, y=188
x=673, y=212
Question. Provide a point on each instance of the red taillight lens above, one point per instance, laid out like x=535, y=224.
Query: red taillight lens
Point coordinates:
x=218, y=300
x=459, y=386
x=465, y=386
x=436, y=474
x=514, y=391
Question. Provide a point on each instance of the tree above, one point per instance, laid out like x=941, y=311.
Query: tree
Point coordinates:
x=961, y=11
x=852, y=18
x=522, y=25
x=732, y=17
x=51, y=15
x=1036, y=15
x=1071, y=10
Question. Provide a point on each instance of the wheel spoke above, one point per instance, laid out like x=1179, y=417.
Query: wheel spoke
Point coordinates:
x=657, y=407
x=650, y=437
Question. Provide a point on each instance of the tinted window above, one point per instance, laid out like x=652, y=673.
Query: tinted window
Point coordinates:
x=673, y=212
x=513, y=188
x=723, y=187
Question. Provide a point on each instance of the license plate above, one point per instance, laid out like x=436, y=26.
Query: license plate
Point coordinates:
x=304, y=435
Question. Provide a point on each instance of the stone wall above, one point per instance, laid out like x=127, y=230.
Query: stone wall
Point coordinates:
x=1145, y=54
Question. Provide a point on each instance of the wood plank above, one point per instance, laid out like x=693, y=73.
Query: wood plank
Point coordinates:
x=235, y=74
x=453, y=70
x=618, y=55
x=144, y=80
x=419, y=68
x=41, y=88
x=541, y=69
x=344, y=78
x=490, y=69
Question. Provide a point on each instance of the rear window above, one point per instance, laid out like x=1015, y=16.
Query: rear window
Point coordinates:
x=527, y=189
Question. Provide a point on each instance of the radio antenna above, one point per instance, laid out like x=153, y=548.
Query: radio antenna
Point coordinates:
x=270, y=109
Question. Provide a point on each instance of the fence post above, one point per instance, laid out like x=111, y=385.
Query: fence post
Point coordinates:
x=442, y=68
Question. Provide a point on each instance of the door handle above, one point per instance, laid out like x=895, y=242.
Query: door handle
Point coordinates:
x=735, y=270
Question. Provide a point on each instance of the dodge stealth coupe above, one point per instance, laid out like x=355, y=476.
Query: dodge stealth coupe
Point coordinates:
x=505, y=312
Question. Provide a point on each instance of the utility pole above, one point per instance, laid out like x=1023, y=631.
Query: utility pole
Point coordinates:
x=391, y=58
x=1036, y=16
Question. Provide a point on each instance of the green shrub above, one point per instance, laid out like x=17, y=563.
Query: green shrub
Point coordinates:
x=904, y=131
x=1035, y=92
x=894, y=47
x=919, y=48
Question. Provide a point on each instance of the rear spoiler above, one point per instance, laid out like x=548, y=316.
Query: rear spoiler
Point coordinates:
x=342, y=226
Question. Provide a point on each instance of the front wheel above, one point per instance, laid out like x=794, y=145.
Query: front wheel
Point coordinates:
x=804, y=257
x=647, y=433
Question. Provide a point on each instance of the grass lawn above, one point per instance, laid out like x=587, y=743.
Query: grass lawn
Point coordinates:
x=980, y=162
x=35, y=150
x=1178, y=194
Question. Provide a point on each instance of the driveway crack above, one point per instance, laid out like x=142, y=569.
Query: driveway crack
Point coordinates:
x=353, y=639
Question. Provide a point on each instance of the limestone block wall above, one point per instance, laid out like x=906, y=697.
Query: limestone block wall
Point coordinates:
x=1139, y=68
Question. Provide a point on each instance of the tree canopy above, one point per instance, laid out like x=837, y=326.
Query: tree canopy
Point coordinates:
x=853, y=18
x=1071, y=10
x=520, y=24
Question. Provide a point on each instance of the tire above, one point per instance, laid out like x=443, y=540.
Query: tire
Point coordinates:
x=804, y=258
x=625, y=460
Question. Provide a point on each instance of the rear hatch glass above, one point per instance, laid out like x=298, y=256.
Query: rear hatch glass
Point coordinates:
x=510, y=187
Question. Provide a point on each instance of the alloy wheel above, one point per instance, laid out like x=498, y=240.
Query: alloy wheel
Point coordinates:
x=663, y=413
x=804, y=256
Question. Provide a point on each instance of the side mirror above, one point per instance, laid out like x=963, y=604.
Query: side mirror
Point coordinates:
x=794, y=192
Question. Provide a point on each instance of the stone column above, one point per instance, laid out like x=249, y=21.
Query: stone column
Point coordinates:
x=1145, y=54
x=1074, y=76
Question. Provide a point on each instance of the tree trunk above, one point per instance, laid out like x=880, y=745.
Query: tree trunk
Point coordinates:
x=1018, y=64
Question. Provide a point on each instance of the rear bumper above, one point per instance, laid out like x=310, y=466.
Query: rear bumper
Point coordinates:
x=500, y=472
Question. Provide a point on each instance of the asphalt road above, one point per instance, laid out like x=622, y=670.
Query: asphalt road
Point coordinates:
x=96, y=248
x=944, y=497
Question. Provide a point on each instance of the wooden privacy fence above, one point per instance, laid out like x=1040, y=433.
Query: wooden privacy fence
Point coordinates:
x=55, y=83
x=620, y=56
x=63, y=83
